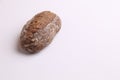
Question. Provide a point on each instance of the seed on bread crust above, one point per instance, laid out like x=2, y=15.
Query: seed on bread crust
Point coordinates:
x=39, y=32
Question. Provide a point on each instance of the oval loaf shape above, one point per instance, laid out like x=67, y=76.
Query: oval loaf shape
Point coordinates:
x=38, y=32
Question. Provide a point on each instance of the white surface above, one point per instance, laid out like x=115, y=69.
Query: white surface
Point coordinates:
x=86, y=48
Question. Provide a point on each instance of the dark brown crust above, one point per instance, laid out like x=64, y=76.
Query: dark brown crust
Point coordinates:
x=39, y=31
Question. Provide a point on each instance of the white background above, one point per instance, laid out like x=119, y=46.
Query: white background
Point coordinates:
x=86, y=48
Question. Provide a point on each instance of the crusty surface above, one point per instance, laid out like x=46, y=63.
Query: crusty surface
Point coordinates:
x=39, y=31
